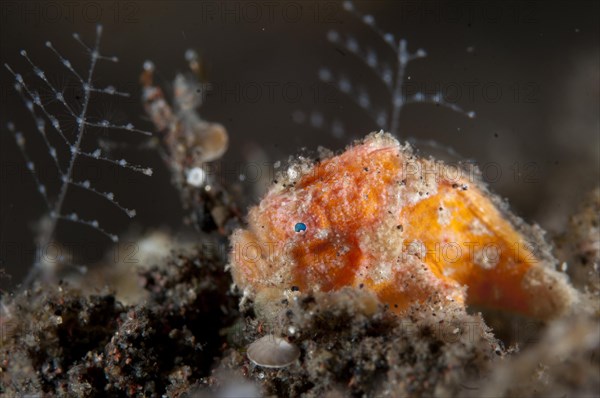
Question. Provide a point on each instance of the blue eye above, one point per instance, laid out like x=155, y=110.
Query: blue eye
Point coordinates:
x=300, y=227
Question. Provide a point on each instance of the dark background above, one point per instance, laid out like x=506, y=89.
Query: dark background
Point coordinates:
x=533, y=68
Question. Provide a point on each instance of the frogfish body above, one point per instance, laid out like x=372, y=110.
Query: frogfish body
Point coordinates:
x=407, y=228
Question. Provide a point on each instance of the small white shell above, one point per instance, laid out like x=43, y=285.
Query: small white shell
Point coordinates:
x=272, y=352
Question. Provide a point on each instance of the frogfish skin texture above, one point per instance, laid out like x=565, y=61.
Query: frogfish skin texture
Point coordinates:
x=407, y=228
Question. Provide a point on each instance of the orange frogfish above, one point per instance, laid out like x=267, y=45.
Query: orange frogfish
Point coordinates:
x=407, y=228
